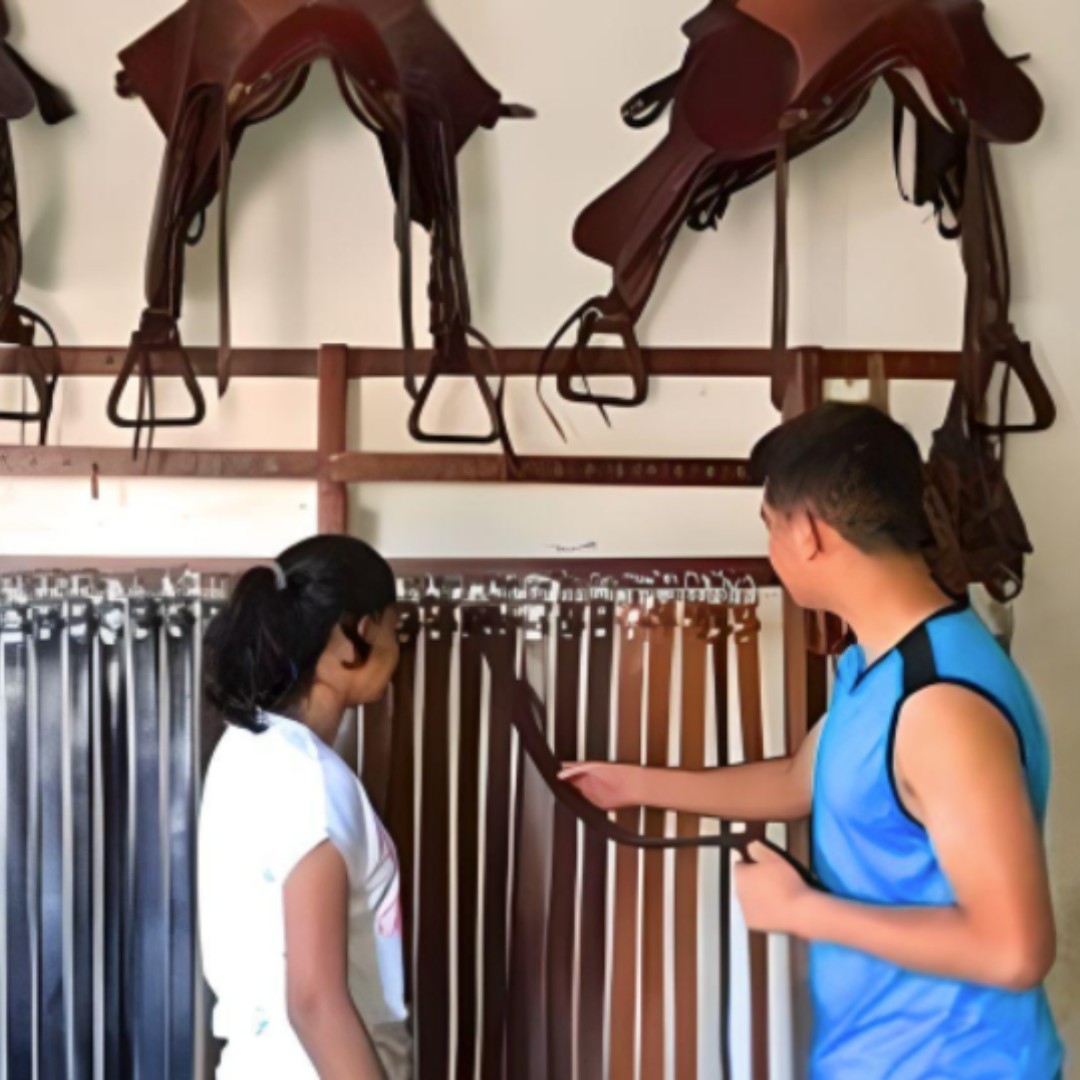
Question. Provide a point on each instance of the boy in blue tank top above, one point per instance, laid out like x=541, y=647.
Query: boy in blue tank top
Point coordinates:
x=930, y=926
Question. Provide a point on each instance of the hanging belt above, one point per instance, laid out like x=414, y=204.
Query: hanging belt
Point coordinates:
x=527, y=1021
x=719, y=633
x=79, y=811
x=560, y=956
x=468, y=834
x=48, y=676
x=147, y=948
x=624, y=962
x=400, y=801
x=502, y=637
x=179, y=678
x=692, y=756
x=19, y=892
x=376, y=731
x=747, y=630
x=433, y=924
x=595, y=865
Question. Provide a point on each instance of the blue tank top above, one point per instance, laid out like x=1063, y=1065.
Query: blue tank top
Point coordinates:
x=874, y=1020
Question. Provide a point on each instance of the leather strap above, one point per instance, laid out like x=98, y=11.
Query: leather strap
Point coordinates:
x=501, y=632
x=747, y=630
x=113, y=772
x=20, y=791
x=400, y=802
x=654, y=919
x=527, y=1039
x=347, y=743
x=78, y=809
x=179, y=644
x=148, y=947
x=47, y=678
x=780, y=273
x=433, y=926
x=719, y=637
x=561, y=926
x=376, y=733
x=692, y=756
x=622, y=1030
x=468, y=833
x=594, y=875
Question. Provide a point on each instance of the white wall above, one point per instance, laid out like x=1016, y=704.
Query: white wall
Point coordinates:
x=313, y=261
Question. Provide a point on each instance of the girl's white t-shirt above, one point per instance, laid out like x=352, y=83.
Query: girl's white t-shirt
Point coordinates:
x=268, y=800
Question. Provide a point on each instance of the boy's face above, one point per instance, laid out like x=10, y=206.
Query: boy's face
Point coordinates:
x=793, y=552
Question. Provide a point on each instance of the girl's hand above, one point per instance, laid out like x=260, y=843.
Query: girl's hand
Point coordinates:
x=609, y=786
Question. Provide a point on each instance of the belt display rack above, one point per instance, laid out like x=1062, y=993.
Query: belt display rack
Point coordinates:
x=548, y=652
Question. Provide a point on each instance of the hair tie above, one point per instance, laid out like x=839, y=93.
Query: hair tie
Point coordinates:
x=280, y=579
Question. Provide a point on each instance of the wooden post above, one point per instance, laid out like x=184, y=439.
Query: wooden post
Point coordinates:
x=805, y=700
x=333, y=514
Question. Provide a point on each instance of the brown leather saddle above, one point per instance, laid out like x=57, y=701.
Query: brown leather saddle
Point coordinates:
x=22, y=89
x=764, y=81
x=215, y=67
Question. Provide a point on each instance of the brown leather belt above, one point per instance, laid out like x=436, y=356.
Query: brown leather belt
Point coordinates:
x=624, y=961
x=661, y=642
x=400, y=808
x=694, y=657
x=747, y=632
x=376, y=735
x=433, y=926
x=561, y=924
x=593, y=960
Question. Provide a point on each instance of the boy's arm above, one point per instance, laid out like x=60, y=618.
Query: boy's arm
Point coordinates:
x=959, y=772
x=775, y=790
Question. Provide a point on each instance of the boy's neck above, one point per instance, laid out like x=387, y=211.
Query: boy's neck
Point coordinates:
x=887, y=597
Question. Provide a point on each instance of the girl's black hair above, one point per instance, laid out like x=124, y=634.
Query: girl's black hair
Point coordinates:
x=262, y=648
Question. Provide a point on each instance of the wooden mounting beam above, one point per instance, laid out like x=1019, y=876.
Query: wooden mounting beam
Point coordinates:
x=74, y=461
x=494, y=468
x=390, y=363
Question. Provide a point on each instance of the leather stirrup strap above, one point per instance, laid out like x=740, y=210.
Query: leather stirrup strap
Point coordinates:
x=468, y=833
x=747, y=630
x=527, y=1039
x=347, y=743
x=692, y=756
x=624, y=961
x=224, y=291
x=433, y=922
x=502, y=635
x=720, y=636
x=654, y=915
x=594, y=874
x=780, y=273
x=562, y=924
x=400, y=802
x=20, y=801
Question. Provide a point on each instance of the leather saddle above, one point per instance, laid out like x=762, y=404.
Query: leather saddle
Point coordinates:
x=764, y=81
x=22, y=90
x=215, y=67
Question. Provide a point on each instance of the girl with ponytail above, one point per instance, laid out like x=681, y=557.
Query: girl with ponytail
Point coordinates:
x=298, y=881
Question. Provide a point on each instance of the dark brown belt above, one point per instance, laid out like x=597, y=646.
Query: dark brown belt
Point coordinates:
x=468, y=834
x=624, y=962
x=561, y=921
x=376, y=736
x=661, y=642
x=694, y=656
x=593, y=964
x=747, y=631
x=527, y=1021
x=400, y=809
x=433, y=924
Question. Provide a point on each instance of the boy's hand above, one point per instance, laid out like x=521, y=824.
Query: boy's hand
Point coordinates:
x=609, y=786
x=770, y=890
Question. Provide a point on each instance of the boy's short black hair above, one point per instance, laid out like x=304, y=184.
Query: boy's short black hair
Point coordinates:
x=855, y=468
